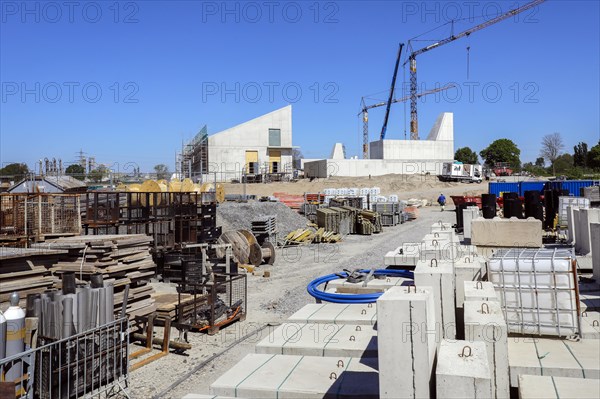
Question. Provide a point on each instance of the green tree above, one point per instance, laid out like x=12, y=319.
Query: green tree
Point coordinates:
x=466, y=155
x=98, y=174
x=162, y=171
x=502, y=150
x=593, y=158
x=77, y=171
x=563, y=164
x=580, y=154
x=14, y=171
x=540, y=162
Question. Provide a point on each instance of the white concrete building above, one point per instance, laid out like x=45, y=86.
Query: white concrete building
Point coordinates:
x=395, y=156
x=260, y=146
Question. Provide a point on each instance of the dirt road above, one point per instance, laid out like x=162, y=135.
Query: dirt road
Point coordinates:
x=272, y=300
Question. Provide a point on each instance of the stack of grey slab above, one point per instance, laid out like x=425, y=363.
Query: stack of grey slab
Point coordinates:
x=332, y=219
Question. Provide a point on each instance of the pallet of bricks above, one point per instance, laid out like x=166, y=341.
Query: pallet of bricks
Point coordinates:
x=390, y=212
x=121, y=260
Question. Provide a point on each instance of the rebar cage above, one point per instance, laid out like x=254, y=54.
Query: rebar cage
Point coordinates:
x=90, y=364
x=26, y=215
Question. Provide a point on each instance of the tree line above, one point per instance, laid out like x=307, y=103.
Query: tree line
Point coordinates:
x=552, y=160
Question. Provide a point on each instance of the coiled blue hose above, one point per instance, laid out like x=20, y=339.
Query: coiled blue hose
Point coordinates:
x=313, y=290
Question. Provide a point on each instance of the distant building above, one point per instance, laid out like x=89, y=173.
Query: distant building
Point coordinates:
x=48, y=184
x=255, y=150
x=393, y=156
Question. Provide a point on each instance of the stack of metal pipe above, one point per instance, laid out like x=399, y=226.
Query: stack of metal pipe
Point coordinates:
x=72, y=310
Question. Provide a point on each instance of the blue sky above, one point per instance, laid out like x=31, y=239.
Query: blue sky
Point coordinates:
x=129, y=83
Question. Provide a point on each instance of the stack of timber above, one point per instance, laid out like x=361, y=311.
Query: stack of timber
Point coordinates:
x=121, y=259
x=334, y=219
x=167, y=305
x=26, y=271
x=308, y=236
x=368, y=222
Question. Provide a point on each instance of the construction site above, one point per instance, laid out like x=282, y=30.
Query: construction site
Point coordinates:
x=251, y=272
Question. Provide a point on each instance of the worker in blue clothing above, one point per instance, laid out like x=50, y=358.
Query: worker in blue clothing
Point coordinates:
x=442, y=201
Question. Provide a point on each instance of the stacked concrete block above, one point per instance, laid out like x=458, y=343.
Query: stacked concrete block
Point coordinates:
x=583, y=245
x=463, y=370
x=484, y=322
x=466, y=268
x=480, y=291
x=535, y=387
x=511, y=232
x=440, y=277
x=320, y=339
x=407, y=342
x=408, y=254
x=595, y=246
x=577, y=226
x=590, y=324
x=553, y=357
x=470, y=213
x=446, y=235
x=440, y=226
x=287, y=376
x=571, y=237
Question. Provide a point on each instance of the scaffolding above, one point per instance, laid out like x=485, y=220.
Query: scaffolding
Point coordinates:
x=192, y=162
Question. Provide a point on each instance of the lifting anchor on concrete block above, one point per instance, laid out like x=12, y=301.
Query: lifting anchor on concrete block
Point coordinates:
x=485, y=309
x=479, y=285
x=466, y=353
x=412, y=286
x=431, y=264
x=333, y=376
x=340, y=363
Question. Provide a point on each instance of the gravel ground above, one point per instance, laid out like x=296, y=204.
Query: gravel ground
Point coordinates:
x=234, y=215
x=271, y=301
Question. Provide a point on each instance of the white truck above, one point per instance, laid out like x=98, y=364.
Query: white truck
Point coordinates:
x=457, y=171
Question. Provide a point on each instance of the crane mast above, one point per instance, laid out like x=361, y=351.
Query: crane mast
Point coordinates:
x=412, y=59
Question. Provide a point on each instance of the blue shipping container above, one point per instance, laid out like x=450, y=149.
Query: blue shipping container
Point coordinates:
x=574, y=186
x=530, y=186
x=497, y=188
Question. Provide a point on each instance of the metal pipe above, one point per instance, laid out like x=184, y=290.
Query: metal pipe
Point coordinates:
x=101, y=306
x=67, y=317
x=110, y=303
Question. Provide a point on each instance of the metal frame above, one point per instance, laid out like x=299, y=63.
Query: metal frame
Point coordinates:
x=92, y=363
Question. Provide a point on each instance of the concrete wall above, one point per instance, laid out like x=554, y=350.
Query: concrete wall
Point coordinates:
x=412, y=149
x=365, y=167
x=227, y=149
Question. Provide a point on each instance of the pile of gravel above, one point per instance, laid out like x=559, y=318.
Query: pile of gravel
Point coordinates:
x=235, y=216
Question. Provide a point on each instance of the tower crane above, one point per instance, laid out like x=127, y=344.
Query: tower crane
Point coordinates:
x=412, y=59
x=365, y=112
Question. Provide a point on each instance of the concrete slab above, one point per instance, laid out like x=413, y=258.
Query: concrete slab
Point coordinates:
x=583, y=245
x=578, y=226
x=480, y=291
x=535, y=387
x=316, y=339
x=336, y=313
x=570, y=225
x=287, y=376
x=202, y=396
x=441, y=226
x=463, y=371
x=376, y=283
x=511, y=232
x=406, y=343
x=439, y=276
x=484, y=322
x=553, y=357
x=409, y=253
x=595, y=247
x=445, y=235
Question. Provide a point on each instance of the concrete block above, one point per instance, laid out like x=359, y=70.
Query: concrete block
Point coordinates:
x=440, y=226
x=466, y=268
x=411, y=252
x=463, y=370
x=484, y=322
x=287, y=376
x=336, y=313
x=444, y=235
x=480, y=291
x=595, y=247
x=535, y=387
x=376, y=283
x=318, y=339
x=553, y=357
x=407, y=342
x=201, y=396
x=583, y=245
x=590, y=325
x=470, y=213
x=578, y=227
x=511, y=232
x=570, y=225
x=439, y=276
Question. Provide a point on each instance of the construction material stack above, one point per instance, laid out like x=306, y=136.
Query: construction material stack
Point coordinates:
x=122, y=260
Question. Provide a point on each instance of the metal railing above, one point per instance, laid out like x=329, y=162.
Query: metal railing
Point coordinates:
x=94, y=363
